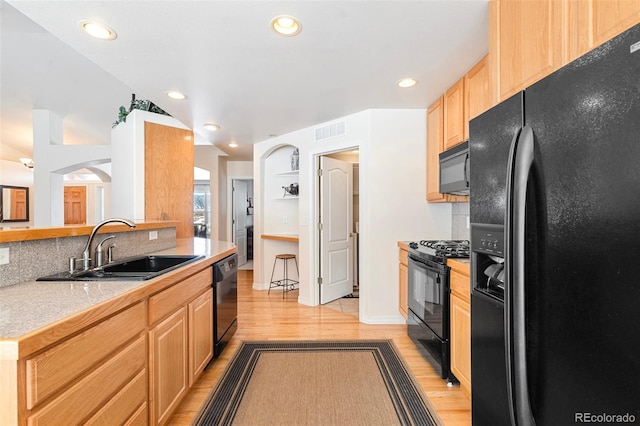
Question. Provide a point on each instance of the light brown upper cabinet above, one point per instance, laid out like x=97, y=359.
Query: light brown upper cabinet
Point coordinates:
x=454, y=115
x=477, y=95
x=525, y=42
x=528, y=40
x=610, y=18
x=592, y=22
x=435, y=145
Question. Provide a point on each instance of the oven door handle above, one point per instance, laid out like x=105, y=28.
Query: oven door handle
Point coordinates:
x=521, y=161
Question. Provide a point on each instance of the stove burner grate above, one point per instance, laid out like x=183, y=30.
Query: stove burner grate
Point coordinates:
x=446, y=248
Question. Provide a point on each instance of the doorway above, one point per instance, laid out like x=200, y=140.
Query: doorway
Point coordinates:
x=338, y=212
x=242, y=220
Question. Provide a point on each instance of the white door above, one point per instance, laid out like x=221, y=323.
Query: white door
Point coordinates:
x=336, y=217
x=240, y=219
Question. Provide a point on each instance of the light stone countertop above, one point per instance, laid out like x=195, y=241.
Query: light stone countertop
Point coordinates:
x=28, y=307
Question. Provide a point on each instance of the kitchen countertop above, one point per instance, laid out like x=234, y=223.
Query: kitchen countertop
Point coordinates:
x=460, y=264
x=34, y=306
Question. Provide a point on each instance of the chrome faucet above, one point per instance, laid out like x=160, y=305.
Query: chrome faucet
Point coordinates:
x=86, y=259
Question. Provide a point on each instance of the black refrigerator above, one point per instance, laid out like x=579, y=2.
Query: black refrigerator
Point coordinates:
x=555, y=240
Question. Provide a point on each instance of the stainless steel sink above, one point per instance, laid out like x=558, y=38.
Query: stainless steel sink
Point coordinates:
x=135, y=268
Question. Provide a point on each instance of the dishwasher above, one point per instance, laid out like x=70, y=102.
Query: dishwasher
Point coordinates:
x=225, y=308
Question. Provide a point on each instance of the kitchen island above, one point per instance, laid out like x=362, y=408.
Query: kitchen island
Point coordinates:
x=88, y=351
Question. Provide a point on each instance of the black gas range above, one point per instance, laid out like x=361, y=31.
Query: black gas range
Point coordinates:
x=428, y=299
x=439, y=251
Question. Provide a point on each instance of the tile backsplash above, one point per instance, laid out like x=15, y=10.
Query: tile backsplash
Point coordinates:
x=459, y=220
x=29, y=260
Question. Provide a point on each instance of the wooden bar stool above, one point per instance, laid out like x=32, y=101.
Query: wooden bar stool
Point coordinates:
x=286, y=283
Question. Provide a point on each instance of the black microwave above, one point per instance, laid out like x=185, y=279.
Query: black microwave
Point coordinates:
x=454, y=170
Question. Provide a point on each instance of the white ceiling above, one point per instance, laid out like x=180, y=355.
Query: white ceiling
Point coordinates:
x=235, y=70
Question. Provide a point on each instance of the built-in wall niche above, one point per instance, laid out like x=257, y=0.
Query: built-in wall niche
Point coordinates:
x=281, y=191
x=14, y=203
x=285, y=166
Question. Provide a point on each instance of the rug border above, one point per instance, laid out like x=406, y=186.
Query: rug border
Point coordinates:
x=432, y=413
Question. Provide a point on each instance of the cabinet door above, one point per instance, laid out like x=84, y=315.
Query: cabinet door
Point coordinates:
x=525, y=42
x=168, y=366
x=461, y=342
x=435, y=145
x=454, y=115
x=610, y=18
x=592, y=22
x=200, y=334
x=403, y=279
x=477, y=96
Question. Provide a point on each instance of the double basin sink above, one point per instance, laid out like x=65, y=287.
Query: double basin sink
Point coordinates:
x=131, y=269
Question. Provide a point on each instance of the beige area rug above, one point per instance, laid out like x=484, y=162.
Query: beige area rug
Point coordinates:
x=317, y=383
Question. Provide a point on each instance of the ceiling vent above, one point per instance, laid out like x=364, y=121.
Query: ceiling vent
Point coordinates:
x=330, y=131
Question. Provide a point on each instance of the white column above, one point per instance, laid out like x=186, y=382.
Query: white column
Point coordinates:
x=47, y=187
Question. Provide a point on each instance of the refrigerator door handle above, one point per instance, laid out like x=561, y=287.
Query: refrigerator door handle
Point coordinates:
x=521, y=159
x=466, y=170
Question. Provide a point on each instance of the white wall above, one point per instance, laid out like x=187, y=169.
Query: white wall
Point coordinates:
x=395, y=207
x=393, y=203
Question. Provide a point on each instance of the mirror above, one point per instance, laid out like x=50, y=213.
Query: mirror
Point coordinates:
x=14, y=203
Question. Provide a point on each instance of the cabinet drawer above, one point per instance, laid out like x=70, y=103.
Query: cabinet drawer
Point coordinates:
x=55, y=368
x=177, y=296
x=460, y=285
x=93, y=391
x=125, y=405
x=140, y=417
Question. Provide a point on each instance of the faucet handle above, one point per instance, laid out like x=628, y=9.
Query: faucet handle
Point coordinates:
x=110, y=253
x=99, y=261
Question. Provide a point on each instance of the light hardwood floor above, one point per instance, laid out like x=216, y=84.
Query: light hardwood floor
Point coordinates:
x=269, y=317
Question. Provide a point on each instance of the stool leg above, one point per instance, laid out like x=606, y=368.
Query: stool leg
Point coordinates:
x=272, y=271
x=285, y=277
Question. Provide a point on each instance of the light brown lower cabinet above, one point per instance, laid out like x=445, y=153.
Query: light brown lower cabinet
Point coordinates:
x=100, y=374
x=180, y=342
x=169, y=381
x=130, y=367
x=180, y=347
x=460, y=317
x=200, y=334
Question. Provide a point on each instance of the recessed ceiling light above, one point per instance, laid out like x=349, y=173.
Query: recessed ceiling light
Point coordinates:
x=407, y=82
x=211, y=127
x=97, y=30
x=286, y=25
x=176, y=95
x=233, y=145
